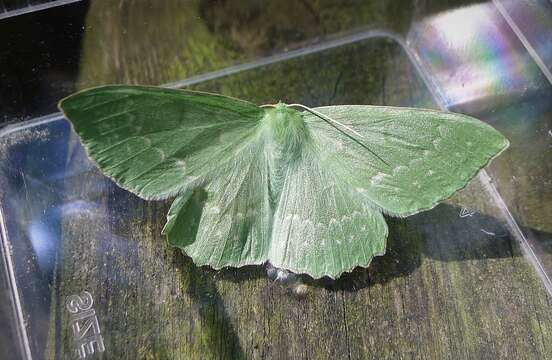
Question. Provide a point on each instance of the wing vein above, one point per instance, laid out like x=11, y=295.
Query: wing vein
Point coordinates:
x=103, y=103
x=134, y=109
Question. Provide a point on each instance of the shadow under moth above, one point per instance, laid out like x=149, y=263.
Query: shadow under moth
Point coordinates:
x=302, y=189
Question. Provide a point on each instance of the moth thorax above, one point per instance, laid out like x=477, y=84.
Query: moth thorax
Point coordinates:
x=286, y=127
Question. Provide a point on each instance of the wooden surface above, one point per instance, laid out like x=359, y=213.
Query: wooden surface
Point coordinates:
x=449, y=287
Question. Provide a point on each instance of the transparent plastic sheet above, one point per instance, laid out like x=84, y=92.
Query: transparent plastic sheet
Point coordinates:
x=11, y=8
x=531, y=21
x=75, y=241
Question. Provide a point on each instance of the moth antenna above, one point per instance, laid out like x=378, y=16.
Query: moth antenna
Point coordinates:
x=268, y=105
x=329, y=119
x=326, y=118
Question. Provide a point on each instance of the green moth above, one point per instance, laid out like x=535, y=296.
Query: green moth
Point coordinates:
x=302, y=190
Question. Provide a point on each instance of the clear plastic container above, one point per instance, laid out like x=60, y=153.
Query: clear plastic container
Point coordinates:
x=12, y=8
x=90, y=274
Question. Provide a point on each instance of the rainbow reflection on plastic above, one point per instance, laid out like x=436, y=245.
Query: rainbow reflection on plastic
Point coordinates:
x=473, y=55
x=534, y=18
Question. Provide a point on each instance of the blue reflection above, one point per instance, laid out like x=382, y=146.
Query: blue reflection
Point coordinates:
x=44, y=231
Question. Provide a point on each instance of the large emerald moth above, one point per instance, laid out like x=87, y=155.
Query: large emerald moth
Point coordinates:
x=302, y=189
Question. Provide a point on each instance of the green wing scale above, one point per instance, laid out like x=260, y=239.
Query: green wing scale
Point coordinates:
x=154, y=142
x=407, y=160
x=322, y=226
x=227, y=221
x=255, y=185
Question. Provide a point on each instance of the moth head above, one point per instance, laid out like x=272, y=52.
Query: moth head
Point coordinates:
x=281, y=115
x=280, y=106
